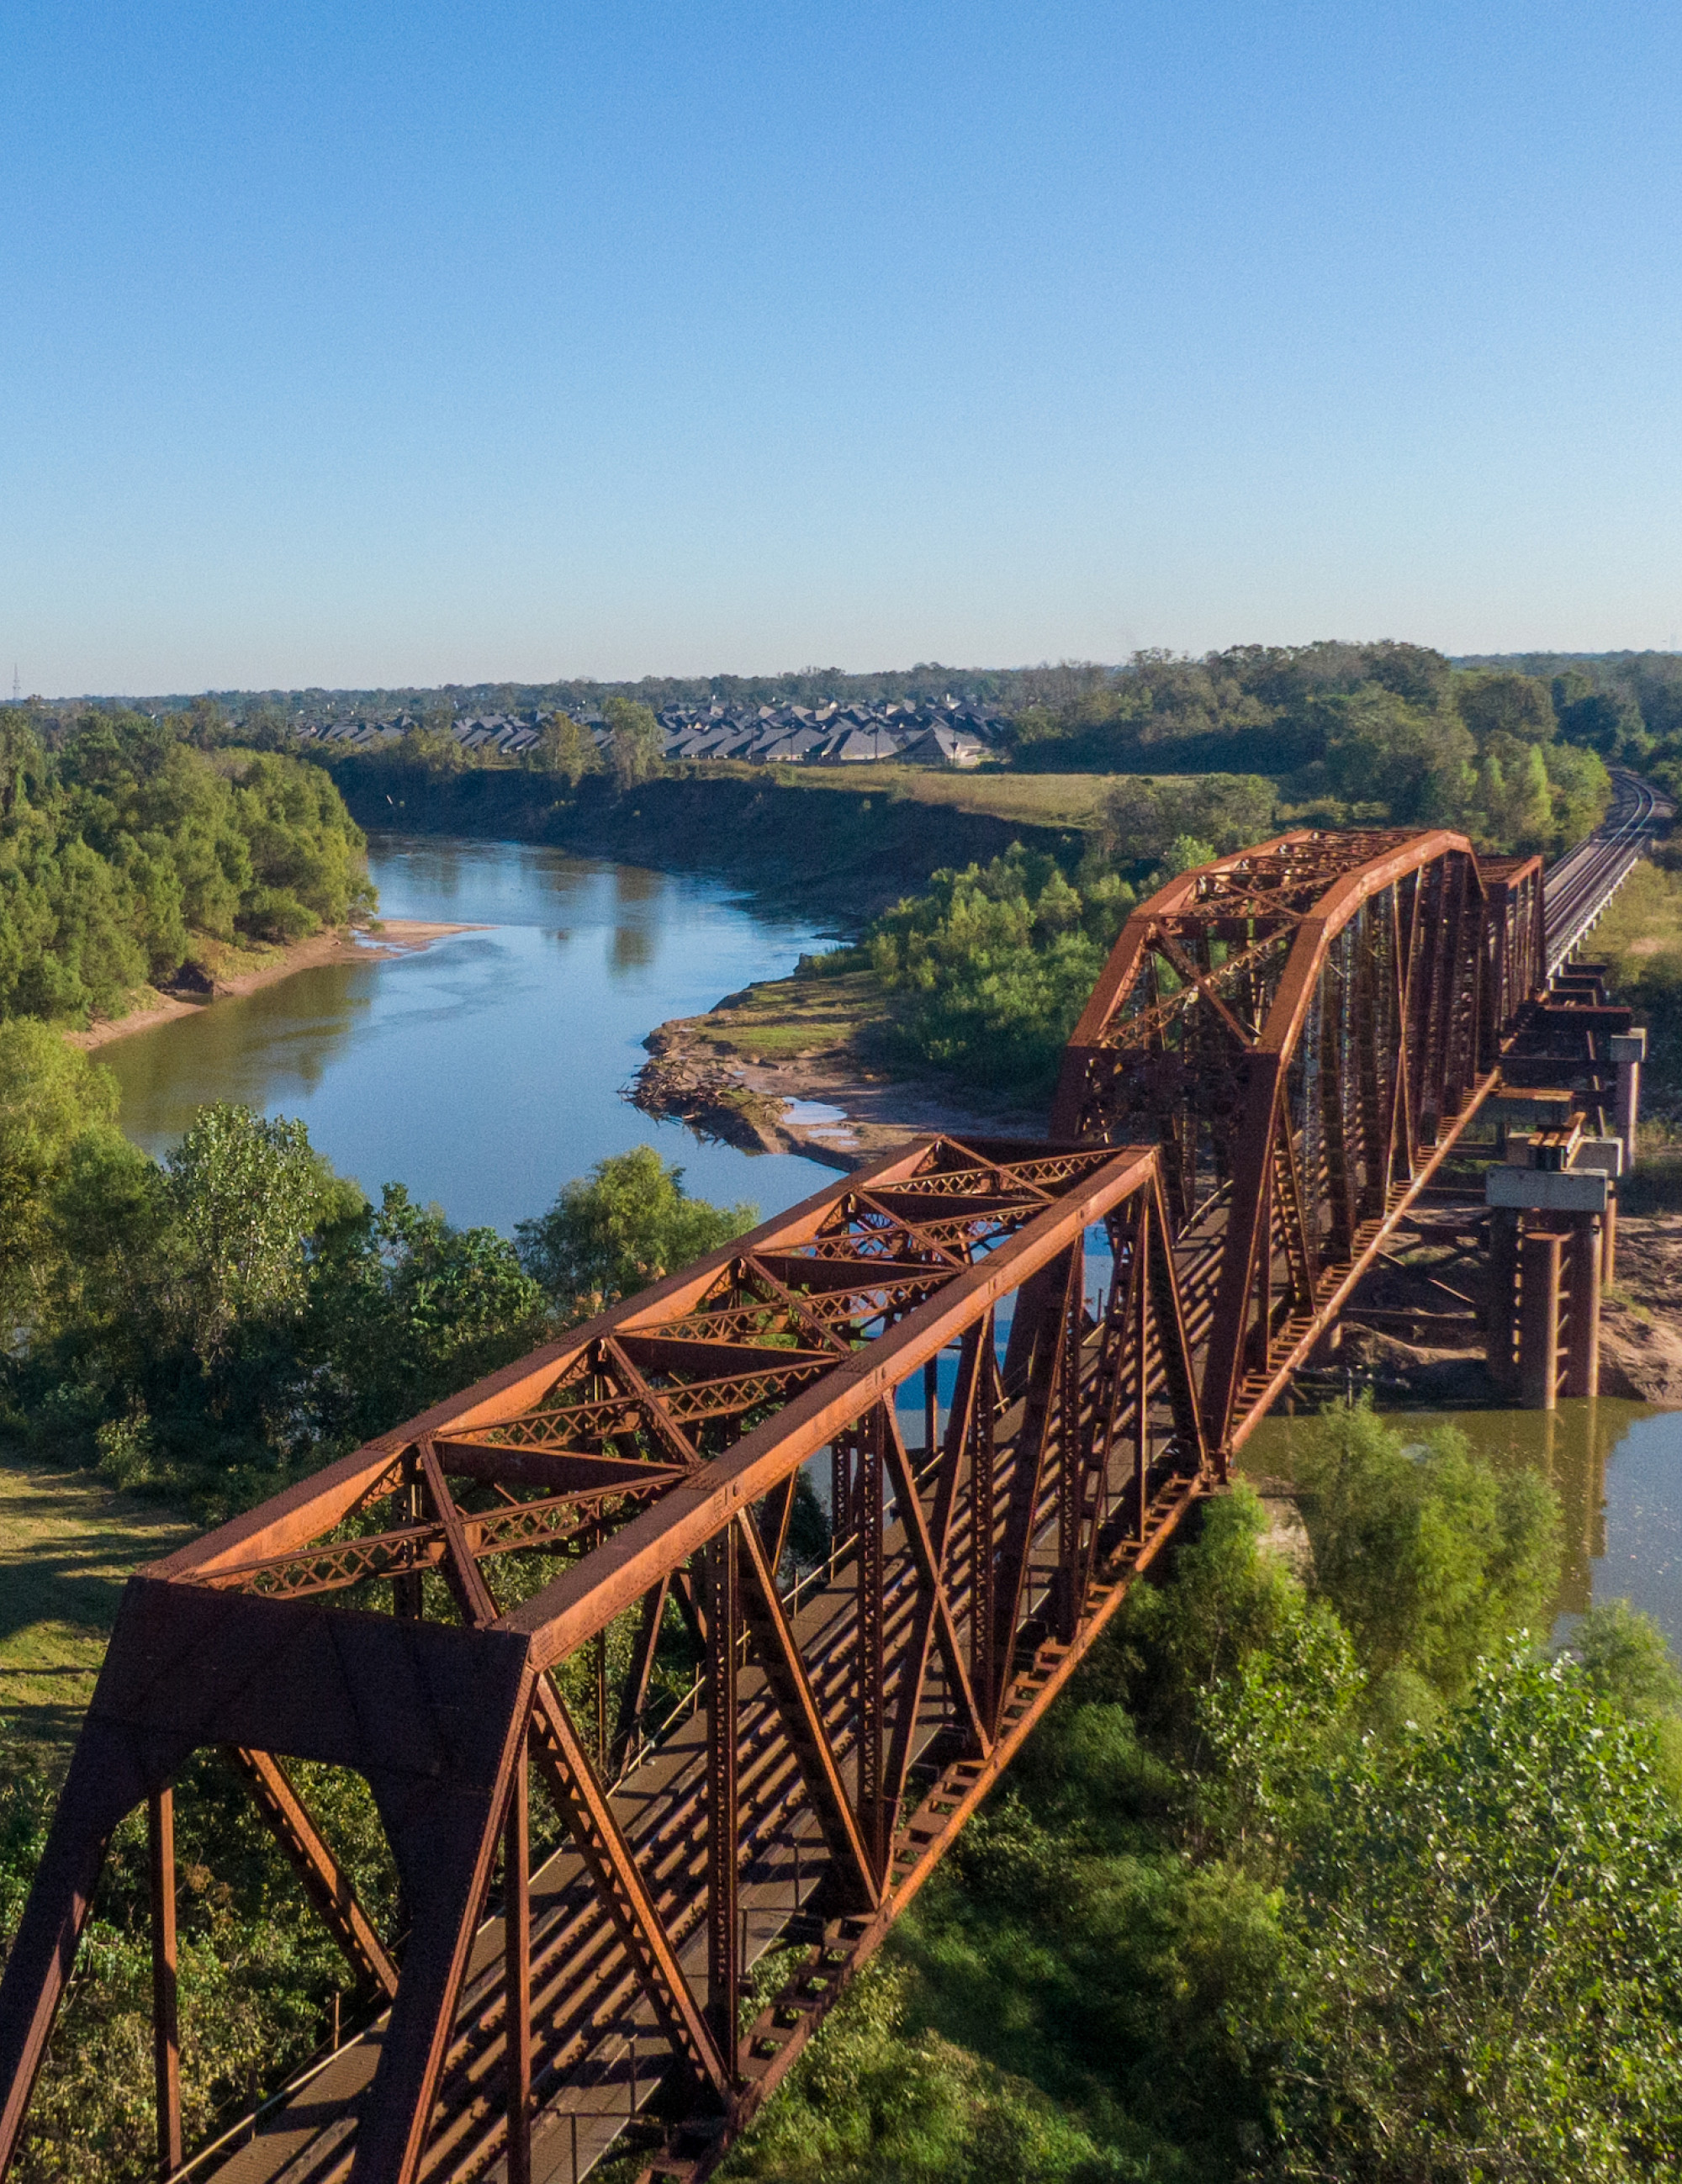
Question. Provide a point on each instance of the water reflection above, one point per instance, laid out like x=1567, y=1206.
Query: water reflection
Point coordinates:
x=1614, y=1467
x=633, y=949
x=484, y=1072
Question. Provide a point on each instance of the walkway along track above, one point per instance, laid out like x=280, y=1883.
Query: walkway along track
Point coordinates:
x=1014, y=1367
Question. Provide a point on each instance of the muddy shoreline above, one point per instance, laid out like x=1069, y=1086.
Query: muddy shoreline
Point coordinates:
x=698, y=1076
x=396, y=936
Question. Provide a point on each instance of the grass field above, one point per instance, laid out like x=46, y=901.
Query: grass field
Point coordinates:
x=67, y=1546
x=1643, y=924
x=1039, y=800
x=784, y=1017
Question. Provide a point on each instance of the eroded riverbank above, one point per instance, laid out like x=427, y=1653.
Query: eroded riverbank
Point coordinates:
x=795, y=1065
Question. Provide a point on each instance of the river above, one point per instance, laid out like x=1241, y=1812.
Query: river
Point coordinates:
x=484, y=1072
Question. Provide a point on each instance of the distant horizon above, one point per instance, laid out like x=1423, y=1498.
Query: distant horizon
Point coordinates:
x=931, y=668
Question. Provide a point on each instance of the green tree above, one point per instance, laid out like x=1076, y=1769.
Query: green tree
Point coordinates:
x=1487, y=1943
x=1500, y=703
x=404, y=1309
x=1580, y=792
x=564, y=748
x=243, y=1197
x=1513, y=794
x=1427, y=1556
x=1603, y=721
x=51, y=1099
x=626, y=1224
x=636, y=747
x=1143, y=817
x=1186, y=853
x=1382, y=751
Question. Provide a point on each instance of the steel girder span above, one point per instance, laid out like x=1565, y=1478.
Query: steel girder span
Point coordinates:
x=1304, y=1028
x=577, y=1569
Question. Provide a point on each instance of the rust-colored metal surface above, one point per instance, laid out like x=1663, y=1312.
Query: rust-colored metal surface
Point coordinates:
x=1304, y=1029
x=655, y=1786
x=772, y=1758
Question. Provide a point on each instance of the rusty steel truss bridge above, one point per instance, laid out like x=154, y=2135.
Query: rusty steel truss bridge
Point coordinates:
x=654, y=1789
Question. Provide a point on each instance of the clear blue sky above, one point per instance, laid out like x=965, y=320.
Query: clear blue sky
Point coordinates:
x=353, y=344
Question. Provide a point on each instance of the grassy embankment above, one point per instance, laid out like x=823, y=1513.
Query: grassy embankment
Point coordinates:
x=68, y=1542
x=1034, y=800
x=1639, y=940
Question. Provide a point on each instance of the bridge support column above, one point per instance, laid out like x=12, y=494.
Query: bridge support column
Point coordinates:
x=1539, y=1320
x=1629, y=1051
x=1609, y=1240
x=517, y=1974
x=166, y=2051
x=1582, y=1356
x=1501, y=1305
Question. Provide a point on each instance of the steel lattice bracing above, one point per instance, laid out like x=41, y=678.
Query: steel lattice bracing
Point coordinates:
x=1013, y=1367
x=1304, y=1028
x=835, y=1735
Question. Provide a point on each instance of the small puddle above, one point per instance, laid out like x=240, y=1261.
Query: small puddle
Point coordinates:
x=816, y=1120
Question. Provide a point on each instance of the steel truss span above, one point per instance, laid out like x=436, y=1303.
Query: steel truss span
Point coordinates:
x=654, y=1789
x=1303, y=1030
x=827, y=1737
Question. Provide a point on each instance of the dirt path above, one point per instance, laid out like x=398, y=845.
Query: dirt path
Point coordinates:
x=397, y=936
x=1641, y=1312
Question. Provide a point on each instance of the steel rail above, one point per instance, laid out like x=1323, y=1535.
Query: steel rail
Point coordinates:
x=1577, y=888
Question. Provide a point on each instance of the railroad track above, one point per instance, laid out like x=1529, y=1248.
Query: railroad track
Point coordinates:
x=1577, y=890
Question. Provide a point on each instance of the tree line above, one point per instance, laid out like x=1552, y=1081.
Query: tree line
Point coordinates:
x=129, y=852
x=1265, y=709
x=1351, y=735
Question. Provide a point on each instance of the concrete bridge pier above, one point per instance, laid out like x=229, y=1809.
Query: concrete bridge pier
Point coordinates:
x=1550, y=1240
x=1538, y=1260
x=1629, y=1052
x=1584, y=1279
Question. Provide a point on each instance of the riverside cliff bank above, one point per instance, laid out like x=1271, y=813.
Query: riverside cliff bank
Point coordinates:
x=838, y=852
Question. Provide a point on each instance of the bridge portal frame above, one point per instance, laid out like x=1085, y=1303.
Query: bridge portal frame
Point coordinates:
x=1306, y=1028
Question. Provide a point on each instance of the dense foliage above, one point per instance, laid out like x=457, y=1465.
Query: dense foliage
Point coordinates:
x=1272, y=1895
x=629, y=1224
x=991, y=967
x=125, y=851
x=1346, y=734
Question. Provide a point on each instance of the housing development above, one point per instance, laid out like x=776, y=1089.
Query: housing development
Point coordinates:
x=951, y=732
